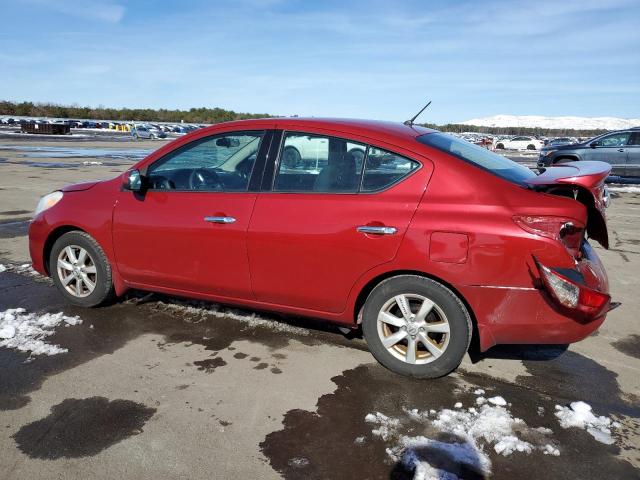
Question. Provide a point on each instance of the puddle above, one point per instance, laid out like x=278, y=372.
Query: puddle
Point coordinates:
x=629, y=346
x=335, y=441
x=82, y=428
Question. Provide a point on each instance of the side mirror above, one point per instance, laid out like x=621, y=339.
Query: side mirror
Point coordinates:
x=594, y=144
x=133, y=181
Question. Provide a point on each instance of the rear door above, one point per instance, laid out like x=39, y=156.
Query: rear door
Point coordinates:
x=321, y=225
x=187, y=230
x=633, y=156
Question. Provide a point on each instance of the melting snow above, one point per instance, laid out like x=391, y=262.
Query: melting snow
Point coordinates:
x=26, y=331
x=252, y=319
x=470, y=431
x=579, y=414
x=2, y=268
x=629, y=189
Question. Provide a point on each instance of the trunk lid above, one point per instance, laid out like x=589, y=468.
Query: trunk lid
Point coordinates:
x=586, y=181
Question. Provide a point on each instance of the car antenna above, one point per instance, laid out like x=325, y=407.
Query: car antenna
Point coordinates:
x=410, y=122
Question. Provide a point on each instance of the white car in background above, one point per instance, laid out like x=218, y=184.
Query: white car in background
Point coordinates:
x=519, y=143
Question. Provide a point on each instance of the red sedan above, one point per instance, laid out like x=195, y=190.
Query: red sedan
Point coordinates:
x=423, y=239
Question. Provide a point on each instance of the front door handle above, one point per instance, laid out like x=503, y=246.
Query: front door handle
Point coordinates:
x=621, y=149
x=219, y=219
x=377, y=230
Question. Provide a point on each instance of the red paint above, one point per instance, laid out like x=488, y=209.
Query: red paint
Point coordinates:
x=300, y=253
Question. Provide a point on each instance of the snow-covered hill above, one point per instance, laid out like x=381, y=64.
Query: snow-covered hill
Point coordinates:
x=578, y=123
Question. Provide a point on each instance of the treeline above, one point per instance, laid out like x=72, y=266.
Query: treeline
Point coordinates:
x=193, y=115
x=545, y=132
x=216, y=115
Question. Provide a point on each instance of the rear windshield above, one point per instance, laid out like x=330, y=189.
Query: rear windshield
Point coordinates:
x=481, y=157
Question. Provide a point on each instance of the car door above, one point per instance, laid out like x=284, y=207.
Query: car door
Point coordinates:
x=315, y=231
x=611, y=149
x=633, y=156
x=187, y=230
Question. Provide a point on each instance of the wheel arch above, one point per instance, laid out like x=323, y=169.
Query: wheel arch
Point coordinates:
x=569, y=156
x=375, y=281
x=55, y=234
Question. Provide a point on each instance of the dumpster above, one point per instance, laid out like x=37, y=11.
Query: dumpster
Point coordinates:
x=46, y=128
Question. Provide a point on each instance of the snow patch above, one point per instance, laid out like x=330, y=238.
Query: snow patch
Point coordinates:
x=580, y=415
x=629, y=189
x=26, y=332
x=468, y=431
x=538, y=121
x=2, y=268
x=204, y=309
x=501, y=402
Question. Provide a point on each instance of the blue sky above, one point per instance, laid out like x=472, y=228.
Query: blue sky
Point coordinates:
x=370, y=59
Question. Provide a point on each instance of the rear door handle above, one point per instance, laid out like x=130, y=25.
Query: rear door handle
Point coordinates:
x=219, y=219
x=376, y=230
x=621, y=149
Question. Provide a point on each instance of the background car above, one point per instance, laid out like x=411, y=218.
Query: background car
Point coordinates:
x=620, y=149
x=144, y=131
x=519, y=143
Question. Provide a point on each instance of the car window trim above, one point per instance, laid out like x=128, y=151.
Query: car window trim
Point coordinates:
x=359, y=191
x=264, y=134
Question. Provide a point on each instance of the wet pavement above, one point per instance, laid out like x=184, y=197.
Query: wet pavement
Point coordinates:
x=261, y=381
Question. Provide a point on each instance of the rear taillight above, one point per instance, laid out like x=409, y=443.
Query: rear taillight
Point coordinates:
x=573, y=295
x=564, y=230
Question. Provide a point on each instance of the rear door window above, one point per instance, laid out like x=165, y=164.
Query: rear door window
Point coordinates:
x=384, y=169
x=321, y=164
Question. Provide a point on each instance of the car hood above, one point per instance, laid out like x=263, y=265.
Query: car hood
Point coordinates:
x=588, y=179
x=79, y=187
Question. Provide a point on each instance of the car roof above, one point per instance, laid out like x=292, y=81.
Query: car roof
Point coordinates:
x=366, y=128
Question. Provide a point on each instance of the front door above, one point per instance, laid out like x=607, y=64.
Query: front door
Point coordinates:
x=187, y=230
x=324, y=224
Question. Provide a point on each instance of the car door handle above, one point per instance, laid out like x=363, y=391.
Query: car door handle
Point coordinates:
x=621, y=149
x=219, y=219
x=377, y=230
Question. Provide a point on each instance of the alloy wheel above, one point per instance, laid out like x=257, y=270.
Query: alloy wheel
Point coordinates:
x=77, y=271
x=413, y=329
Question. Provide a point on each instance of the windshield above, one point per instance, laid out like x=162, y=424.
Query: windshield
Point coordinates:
x=478, y=156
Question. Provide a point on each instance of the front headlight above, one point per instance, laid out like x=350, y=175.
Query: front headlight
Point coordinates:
x=48, y=201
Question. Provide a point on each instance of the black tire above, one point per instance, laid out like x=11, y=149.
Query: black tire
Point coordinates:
x=103, y=291
x=500, y=146
x=291, y=157
x=531, y=146
x=456, y=314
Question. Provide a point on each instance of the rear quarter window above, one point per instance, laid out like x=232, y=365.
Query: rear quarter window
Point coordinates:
x=478, y=156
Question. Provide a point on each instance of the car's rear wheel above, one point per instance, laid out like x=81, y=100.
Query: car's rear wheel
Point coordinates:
x=291, y=157
x=80, y=269
x=531, y=147
x=416, y=326
x=500, y=146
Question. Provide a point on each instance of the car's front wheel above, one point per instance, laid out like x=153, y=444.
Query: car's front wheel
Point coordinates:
x=80, y=269
x=416, y=326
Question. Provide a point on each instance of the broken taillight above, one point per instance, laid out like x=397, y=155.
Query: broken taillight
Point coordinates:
x=564, y=230
x=572, y=294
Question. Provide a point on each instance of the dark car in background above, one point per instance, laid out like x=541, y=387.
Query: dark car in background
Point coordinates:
x=621, y=149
